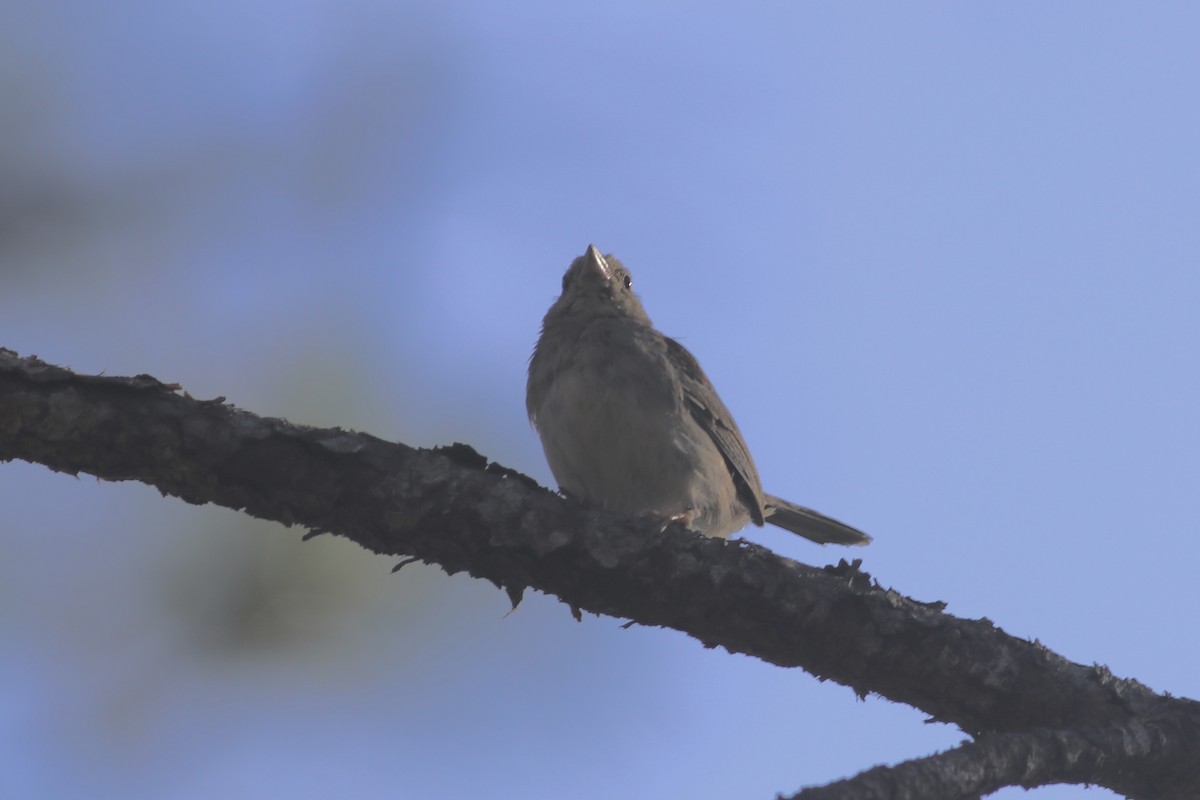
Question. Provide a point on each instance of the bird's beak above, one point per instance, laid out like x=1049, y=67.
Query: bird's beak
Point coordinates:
x=598, y=262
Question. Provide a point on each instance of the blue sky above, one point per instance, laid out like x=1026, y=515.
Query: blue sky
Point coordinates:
x=941, y=261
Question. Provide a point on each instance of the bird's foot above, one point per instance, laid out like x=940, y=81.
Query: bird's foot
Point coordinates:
x=687, y=517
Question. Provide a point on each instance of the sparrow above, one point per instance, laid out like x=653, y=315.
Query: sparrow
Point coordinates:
x=629, y=421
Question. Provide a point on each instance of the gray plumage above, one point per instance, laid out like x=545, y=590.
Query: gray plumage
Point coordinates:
x=629, y=422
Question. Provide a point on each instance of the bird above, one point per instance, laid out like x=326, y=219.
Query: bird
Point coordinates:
x=630, y=423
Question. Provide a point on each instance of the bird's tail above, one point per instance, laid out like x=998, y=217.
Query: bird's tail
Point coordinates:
x=810, y=524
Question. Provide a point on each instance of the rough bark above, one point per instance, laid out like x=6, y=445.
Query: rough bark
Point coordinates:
x=1036, y=717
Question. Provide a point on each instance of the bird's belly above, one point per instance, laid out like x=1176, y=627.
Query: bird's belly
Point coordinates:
x=631, y=448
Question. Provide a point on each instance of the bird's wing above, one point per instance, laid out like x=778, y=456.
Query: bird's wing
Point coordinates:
x=712, y=415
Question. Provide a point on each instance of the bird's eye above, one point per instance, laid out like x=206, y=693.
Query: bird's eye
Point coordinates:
x=628, y=281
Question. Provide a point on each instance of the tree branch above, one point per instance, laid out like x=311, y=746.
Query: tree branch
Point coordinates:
x=993, y=761
x=448, y=506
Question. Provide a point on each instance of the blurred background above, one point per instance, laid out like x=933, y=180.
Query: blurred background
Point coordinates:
x=942, y=262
